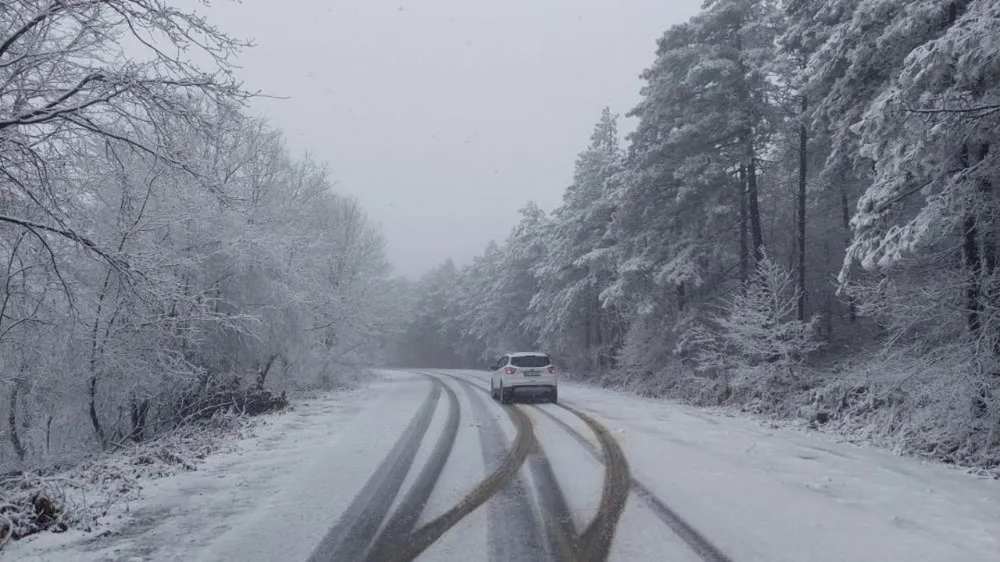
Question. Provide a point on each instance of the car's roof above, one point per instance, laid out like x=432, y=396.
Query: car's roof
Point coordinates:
x=525, y=353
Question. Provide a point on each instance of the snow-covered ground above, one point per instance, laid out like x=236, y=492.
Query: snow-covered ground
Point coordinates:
x=780, y=494
x=270, y=495
x=755, y=493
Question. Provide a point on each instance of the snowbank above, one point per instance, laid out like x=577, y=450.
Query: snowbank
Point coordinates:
x=903, y=404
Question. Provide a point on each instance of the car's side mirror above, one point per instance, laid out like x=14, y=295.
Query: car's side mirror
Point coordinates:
x=492, y=367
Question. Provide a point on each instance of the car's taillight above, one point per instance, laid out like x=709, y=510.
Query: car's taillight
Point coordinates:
x=552, y=370
x=509, y=370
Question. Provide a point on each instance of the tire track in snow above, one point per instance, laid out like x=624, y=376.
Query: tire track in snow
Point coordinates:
x=512, y=527
x=595, y=541
x=405, y=517
x=559, y=529
x=694, y=539
x=558, y=522
x=594, y=544
x=357, y=526
x=429, y=533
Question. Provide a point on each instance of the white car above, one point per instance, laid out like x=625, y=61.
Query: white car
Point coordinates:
x=525, y=372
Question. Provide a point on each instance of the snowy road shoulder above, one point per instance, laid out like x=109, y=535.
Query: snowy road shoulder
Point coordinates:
x=779, y=494
x=266, y=475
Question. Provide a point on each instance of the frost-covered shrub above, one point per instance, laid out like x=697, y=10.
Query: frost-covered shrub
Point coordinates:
x=933, y=388
x=756, y=341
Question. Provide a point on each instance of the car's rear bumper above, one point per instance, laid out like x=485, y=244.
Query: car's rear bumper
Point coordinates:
x=543, y=383
x=539, y=390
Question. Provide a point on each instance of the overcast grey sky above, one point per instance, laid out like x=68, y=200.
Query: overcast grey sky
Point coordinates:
x=444, y=117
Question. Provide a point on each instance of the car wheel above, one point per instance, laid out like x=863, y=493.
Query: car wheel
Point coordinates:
x=506, y=395
x=554, y=395
x=493, y=390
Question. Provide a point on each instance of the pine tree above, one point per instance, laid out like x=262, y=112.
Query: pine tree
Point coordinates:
x=567, y=311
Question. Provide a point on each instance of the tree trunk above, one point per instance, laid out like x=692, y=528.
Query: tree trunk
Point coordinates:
x=828, y=301
x=15, y=439
x=588, y=332
x=845, y=210
x=753, y=205
x=744, y=243
x=971, y=257
x=803, y=163
x=139, y=410
x=94, y=420
x=750, y=153
x=262, y=373
x=598, y=337
x=989, y=238
x=96, y=349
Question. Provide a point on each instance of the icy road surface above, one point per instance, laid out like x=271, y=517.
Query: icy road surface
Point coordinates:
x=425, y=466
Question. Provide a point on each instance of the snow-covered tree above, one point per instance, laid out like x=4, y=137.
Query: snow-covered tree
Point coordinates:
x=502, y=322
x=688, y=223
x=566, y=310
x=157, y=240
x=757, y=335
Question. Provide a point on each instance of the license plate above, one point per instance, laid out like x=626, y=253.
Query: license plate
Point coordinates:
x=532, y=373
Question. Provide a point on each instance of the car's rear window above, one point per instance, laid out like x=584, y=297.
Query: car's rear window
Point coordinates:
x=530, y=361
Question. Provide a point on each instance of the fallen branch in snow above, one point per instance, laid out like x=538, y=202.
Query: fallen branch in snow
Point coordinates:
x=218, y=397
x=29, y=504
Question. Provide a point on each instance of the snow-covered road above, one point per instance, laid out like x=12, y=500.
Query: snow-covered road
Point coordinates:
x=424, y=465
